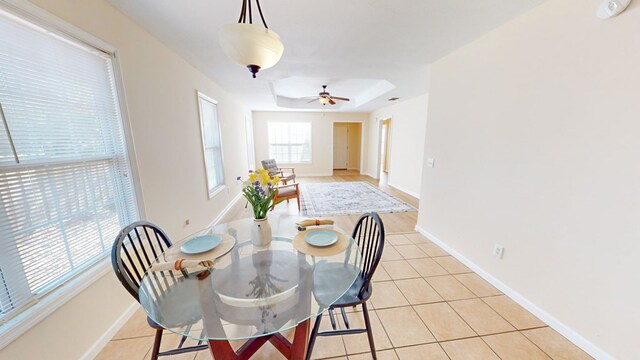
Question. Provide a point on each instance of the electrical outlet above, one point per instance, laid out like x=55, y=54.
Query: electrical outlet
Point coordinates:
x=498, y=250
x=431, y=163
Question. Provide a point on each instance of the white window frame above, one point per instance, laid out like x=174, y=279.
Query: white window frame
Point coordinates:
x=53, y=300
x=219, y=187
x=251, y=150
x=310, y=161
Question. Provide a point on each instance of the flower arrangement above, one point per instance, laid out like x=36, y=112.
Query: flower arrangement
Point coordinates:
x=259, y=190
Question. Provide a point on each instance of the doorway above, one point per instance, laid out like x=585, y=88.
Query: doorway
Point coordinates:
x=385, y=146
x=347, y=140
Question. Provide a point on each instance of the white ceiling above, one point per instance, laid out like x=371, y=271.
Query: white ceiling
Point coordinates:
x=357, y=47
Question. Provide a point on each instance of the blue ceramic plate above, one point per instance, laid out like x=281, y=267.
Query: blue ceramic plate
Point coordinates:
x=200, y=244
x=321, y=238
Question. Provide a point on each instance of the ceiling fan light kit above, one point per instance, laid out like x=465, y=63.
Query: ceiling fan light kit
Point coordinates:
x=324, y=97
x=611, y=8
x=252, y=46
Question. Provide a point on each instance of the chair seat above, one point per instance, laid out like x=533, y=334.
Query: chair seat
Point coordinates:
x=288, y=177
x=286, y=191
x=331, y=273
x=351, y=298
x=153, y=324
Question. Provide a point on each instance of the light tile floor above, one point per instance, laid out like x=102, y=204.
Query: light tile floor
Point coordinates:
x=425, y=305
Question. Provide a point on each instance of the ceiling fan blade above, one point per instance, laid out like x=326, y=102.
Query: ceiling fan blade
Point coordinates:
x=308, y=97
x=332, y=102
x=312, y=100
x=340, y=98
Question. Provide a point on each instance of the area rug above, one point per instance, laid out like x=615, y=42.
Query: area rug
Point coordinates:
x=346, y=198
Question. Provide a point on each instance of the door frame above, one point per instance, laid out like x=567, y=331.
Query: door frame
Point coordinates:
x=362, y=143
x=387, y=120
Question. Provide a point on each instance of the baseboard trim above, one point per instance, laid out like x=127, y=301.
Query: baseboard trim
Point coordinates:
x=554, y=323
x=226, y=209
x=415, y=195
x=95, y=349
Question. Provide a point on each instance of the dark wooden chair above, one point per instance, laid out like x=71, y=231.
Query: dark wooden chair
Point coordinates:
x=274, y=170
x=369, y=235
x=132, y=253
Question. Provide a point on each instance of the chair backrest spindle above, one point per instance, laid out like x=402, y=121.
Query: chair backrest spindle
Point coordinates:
x=133, y=252
x=369, y=235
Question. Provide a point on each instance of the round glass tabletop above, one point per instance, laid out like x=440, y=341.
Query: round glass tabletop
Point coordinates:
x=251, y=291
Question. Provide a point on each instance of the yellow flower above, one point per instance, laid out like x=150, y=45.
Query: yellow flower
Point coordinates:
x=276, y=180
x=263, y=171
x=253, y=177
x=264, y=179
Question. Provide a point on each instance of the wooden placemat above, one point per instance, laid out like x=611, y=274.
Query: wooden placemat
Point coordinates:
x=301, y=245
x=227, y=243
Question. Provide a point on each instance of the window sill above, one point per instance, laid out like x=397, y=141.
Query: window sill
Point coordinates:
x=15, y=327
x=280, y=164
x=216, y=191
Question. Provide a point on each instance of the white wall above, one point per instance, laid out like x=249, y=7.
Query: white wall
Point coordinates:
x=160, y=90
x=321, y=133
x=408, y=123
x=534, y=129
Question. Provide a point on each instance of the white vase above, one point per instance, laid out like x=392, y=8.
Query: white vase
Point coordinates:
x=261, y=232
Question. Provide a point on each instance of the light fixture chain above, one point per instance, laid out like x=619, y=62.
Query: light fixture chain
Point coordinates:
x=243, y=12
x=247, y=5
x=261, y=16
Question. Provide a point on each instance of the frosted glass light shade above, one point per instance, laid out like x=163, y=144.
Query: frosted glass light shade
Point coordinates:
x=253, y=46
x=324, y=101
x=611, y=8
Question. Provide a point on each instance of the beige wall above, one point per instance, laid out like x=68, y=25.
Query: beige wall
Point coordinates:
x=408, y=123
x=534, y=129
x=354, y=143
x=160, y=92
x=321, y=133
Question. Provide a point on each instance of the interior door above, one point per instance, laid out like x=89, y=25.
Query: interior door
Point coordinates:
x=340, y=147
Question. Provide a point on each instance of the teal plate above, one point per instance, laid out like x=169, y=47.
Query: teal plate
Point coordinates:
x=321, y=238
x=200, y=244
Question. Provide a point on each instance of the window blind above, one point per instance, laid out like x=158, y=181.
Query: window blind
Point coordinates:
x=290, y=142
x=211, y=142
x=65, y=183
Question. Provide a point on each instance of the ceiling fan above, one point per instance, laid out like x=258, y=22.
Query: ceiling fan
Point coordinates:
x=325, y=98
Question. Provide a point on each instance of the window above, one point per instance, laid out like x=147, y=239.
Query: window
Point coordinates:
x=251, y=155
x=65, y=182
x=211, y=143
x=290, y=142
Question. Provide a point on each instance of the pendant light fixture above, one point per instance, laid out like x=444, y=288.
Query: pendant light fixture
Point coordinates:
x=253, y=46
x=611, y=8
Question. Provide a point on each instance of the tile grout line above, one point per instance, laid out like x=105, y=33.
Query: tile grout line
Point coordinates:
x=461, y=317
x=534, y=344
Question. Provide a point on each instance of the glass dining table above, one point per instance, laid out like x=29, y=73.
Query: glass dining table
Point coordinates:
x=252, y=293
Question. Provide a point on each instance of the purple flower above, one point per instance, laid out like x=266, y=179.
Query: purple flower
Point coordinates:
x=256, y=183
x=269, y=183
x=239, y=177
x=250, y=171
